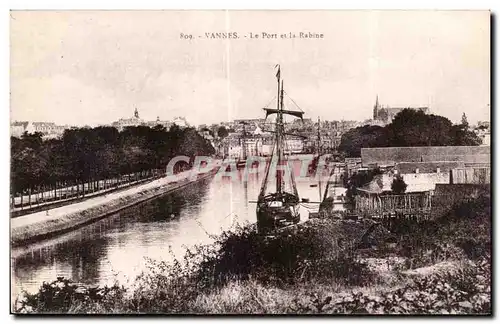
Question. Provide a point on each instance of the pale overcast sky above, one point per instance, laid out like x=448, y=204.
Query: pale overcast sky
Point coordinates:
x=91, y=67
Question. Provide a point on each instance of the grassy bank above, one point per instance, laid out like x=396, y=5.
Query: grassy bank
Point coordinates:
x=321, y=266
x=67, y=218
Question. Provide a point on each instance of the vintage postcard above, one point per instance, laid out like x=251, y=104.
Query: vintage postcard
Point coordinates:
x=250, y=162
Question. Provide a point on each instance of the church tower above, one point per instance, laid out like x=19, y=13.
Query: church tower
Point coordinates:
x=136, y=113
x=375, y=109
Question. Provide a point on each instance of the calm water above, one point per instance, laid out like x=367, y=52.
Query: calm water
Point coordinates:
x=115, y=248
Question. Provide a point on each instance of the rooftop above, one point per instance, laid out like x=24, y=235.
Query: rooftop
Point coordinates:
x=20, y=123
x=392, y=155
x=428, y=167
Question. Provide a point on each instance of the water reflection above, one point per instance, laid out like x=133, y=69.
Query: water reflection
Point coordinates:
x=114, y=247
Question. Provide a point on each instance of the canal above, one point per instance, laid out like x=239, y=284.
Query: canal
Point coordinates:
x=115, y=248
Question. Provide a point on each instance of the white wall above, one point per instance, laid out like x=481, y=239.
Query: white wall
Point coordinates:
x=417, y=181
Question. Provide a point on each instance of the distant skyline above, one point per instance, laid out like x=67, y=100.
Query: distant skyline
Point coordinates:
x=95, y=67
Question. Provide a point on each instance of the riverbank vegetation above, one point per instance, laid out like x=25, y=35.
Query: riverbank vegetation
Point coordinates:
x=320, y=266
x=92, y=156
x=408, y=128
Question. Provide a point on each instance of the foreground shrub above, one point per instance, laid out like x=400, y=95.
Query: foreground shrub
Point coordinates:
x=63, y=296
x=465, y=232
x=320, y=251
x=464, y=291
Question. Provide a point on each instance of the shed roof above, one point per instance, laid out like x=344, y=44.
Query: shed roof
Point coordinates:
x=393, y=155
x=428, y=167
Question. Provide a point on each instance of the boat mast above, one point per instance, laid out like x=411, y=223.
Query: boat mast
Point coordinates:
x=243, y=139
x=279, y=121
x=278, y=149
x=318, y=167
x=319, y=137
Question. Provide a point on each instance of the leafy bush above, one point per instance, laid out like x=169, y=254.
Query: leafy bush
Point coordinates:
x=398, y=185
x=63, y=295
x=292, y=255
x=464, y=232
x=464, y=291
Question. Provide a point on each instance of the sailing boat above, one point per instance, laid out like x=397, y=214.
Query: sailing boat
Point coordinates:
x=242, y=161
x=313, y=167
x=281, y=207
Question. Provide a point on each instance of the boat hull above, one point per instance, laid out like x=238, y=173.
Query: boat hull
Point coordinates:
x=241, y=164
x=277, y=211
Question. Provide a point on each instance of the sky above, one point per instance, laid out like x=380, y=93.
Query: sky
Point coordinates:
x=94, y=67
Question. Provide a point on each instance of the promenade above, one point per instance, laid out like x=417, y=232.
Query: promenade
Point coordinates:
x=43, y=224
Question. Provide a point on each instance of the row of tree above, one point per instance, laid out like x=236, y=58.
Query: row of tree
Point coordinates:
x=409, y=128
x=83, y=155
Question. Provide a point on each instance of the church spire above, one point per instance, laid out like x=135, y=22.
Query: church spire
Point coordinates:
x=375, y=109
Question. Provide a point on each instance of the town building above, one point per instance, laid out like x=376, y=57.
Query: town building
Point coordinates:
x=432, y=188
x=373, y=122
x=181, y=122
x=385, y=114
x=419, y=177
x=47, y=129
x=135, y=120
x=483, y=131
x=257, y=143
x=166, y=124
x=486, y=139
x=302, y=136
x=422, y=169
x=127, y=122
x=18, y=128
x=424, y=176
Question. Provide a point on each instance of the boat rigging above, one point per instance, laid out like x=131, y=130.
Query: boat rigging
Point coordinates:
x=279, y=207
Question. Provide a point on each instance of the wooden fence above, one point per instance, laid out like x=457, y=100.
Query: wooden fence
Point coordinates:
x=389, y=203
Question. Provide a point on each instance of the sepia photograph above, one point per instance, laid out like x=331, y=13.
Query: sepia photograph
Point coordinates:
x=237, y=162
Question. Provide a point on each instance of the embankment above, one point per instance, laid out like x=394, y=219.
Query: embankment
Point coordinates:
x=42, y=225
